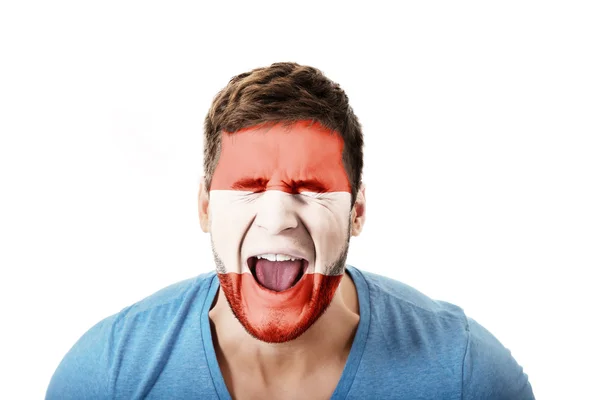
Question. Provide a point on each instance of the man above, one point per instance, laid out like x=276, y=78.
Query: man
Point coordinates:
x=283, y=316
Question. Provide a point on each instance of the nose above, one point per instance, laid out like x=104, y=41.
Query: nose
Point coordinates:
x=276, y=213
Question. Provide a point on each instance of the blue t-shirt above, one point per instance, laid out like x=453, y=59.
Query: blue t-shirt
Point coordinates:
x=407, y=346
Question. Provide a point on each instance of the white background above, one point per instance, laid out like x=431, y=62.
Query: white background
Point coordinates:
x=481, y=124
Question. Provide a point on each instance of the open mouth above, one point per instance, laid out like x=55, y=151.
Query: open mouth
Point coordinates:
x=277, y=272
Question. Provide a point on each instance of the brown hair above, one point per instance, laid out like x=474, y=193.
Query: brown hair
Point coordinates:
x=283, y=92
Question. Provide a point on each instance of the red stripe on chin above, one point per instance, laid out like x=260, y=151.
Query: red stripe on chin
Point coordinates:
x=277, y=317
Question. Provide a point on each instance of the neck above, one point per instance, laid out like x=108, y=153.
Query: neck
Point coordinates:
x=327, y=341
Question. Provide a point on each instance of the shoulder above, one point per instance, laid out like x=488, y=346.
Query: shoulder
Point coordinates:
x=172, y=295
x=489, y=369
x=156, y=312
x=405, y=321
x=89, y=367
x=438, y=334
x=397, y=297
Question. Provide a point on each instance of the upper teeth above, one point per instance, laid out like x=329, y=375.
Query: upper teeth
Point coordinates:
x=277, y=257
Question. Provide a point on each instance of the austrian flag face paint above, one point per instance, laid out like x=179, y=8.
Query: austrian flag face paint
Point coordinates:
x=279, y=213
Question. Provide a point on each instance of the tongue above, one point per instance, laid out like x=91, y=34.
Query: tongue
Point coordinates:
x=277, y=275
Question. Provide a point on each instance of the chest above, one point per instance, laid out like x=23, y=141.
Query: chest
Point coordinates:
x=320, y=385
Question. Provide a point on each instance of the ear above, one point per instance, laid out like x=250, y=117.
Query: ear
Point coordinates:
x=358, y=212
x=203, y=199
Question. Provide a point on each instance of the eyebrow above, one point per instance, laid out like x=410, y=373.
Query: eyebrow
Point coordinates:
x=248, y=183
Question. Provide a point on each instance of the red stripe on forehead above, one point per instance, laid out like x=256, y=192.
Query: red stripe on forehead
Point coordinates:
x=300, y=157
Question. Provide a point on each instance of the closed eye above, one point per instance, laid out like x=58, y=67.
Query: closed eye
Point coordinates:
x=314, y=195
x=311, y=185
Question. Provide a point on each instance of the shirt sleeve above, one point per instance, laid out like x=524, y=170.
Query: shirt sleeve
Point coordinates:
x=84, y=371
x=489, y=370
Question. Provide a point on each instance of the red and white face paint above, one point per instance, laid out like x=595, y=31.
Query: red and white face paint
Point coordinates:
x=279, y=213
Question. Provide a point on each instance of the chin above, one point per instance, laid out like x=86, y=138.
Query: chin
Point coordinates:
x=279, y=316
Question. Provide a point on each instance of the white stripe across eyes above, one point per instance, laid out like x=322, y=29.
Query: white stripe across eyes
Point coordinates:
x=233, y=212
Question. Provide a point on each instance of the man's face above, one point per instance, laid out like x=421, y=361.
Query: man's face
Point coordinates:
x=279, y=216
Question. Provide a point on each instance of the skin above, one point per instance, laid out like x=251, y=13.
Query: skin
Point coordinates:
x=308, y=364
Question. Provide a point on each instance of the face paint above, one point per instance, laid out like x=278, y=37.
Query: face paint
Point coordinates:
x=280, y=191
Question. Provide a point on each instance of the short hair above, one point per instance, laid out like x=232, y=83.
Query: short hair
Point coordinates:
x=284, y=92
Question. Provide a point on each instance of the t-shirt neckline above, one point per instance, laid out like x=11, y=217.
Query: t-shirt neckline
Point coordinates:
x=354, y=357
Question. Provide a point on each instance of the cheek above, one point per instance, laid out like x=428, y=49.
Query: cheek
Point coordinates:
x=328, y=224
x=229, y=219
